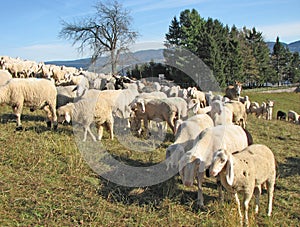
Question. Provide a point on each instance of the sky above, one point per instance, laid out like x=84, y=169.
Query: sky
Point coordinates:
x=30, y=29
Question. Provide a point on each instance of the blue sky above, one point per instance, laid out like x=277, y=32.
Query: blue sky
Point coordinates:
x=30, y=28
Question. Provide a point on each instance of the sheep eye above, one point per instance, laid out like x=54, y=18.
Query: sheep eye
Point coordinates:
x=222, y=160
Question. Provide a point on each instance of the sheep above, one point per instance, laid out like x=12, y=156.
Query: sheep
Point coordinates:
x=153, y=94
x=88, y=109
x=65, y=94
x=152, y=109
x=238, y=110
x=181, y=106
x=245, y=171
x=221, y=115
x=269, y=108
x=245, y=100
x=234, y=91
x=186, y=133
x=33, y=93
x=258, y=110
x=194, y=105
x=196, y=94
x=4, y=76
x=280, y=115
x=199, y=158
x=293, y=116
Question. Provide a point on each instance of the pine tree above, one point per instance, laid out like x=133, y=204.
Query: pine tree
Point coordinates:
x=279, y=60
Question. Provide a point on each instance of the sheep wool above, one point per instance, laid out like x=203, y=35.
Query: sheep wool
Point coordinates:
x=32, y=92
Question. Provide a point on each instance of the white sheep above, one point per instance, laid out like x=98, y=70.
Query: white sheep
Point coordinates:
x=221, y=114
x=239, y=115
x=88, y=109
x=269, y=109
x=33, y=93
x=194, y=106
x=4, y=76
x=185, y=135
x=195, y=161
x=245, y=171
x=194, y=93
x=65, y=94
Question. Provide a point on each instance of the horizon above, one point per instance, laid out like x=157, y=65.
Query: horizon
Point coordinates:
x=31, y=29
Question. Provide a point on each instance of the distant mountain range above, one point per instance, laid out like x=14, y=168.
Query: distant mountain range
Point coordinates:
x=293, y=47
x=128, y=59
x=139, y=57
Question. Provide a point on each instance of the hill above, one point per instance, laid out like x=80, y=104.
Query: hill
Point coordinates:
x=293, y=47
x=127, y=59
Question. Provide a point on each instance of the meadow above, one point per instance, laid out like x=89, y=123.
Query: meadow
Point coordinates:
x=45, y=180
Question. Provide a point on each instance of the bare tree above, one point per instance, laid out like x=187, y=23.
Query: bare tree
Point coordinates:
x=108, y=31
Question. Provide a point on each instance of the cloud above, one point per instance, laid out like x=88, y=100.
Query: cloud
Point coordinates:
x=287, y=32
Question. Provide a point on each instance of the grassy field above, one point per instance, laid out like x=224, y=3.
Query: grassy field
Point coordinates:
x=45, y=181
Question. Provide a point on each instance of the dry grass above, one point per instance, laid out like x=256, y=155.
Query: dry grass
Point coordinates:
x=45, y=181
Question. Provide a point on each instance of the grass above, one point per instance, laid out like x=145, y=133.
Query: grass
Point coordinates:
x=45, y=180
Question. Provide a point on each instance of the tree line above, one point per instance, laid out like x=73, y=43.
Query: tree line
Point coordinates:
x=231, y=53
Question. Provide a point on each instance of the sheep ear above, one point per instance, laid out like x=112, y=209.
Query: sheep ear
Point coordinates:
x=229, y=170
x=196, y=108
x=68, y=117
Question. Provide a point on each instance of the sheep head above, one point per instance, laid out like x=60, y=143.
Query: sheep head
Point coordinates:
x=188, y=168
x=222, y=161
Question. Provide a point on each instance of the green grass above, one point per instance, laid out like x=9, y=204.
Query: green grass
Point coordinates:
x=45, y=181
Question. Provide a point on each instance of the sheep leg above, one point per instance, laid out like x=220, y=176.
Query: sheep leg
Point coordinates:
x=17, y=109
x=239, y=207
x=110, y=127
x=200, y=177
x=90, y=132
x=257, y=192
x=270, y=188
x=247, y=198
x=100, y=132
x=170, y=122
x=219, y=187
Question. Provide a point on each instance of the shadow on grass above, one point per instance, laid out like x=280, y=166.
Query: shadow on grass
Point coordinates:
x=5, y=118
x=154, y=195
x=38, y=128
x=290, y=168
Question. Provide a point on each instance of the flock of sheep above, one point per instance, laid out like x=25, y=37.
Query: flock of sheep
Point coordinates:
x=210, y=130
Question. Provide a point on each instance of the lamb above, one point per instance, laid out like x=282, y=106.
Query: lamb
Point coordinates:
x=293, y=116
x=245, y=171
x=186, y=133
x=33, y=93
x=4, y=76
x=199, y=158
x=270, y=105
x=88, y=109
